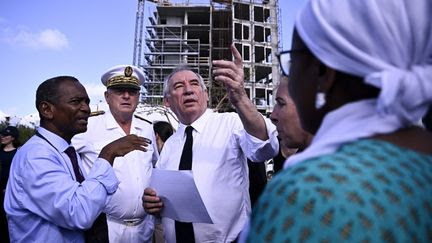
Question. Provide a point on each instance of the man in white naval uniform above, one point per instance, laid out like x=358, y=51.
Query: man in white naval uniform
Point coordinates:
x=126, y=218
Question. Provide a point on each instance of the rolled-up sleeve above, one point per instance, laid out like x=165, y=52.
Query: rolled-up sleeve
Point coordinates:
x=258, y=150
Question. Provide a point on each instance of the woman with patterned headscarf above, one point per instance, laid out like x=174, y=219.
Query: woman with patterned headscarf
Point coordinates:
x=361, y=78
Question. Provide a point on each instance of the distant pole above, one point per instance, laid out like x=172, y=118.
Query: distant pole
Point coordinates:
x=139, y=26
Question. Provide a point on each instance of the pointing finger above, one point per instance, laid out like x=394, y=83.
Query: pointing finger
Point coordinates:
x=238, y=60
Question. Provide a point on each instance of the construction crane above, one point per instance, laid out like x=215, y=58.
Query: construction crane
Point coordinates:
x=139, y=26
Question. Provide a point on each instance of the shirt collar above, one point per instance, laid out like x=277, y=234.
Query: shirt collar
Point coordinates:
x=111, y=123
x=58, y=142
x=199, y=123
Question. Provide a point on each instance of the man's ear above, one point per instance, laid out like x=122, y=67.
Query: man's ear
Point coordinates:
x=46, y=110
x=166, y=102
x=106, y=96
x=326, y=78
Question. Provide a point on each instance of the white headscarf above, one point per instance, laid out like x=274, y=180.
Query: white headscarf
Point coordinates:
x=389, y=43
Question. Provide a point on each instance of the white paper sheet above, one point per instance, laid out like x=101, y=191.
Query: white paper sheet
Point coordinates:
x=180, y=196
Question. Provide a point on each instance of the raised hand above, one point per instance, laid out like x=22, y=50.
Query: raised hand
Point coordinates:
x=232, y=75
x=122, y=146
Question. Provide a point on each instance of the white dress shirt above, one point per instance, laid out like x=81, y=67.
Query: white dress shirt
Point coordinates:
x=133, y=171
x=219, y=165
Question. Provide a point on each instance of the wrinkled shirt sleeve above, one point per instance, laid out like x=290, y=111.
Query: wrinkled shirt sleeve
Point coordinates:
x=256, y=149
x=50, y=191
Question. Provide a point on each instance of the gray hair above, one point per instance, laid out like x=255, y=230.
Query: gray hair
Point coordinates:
x=166, y=87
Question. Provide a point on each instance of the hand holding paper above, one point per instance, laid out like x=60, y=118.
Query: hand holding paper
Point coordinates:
x=177, y=197
x=151, y=202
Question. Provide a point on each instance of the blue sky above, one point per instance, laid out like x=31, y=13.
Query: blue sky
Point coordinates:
x=46, y=38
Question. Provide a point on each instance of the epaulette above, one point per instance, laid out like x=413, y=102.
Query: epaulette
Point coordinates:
x=96, y=113
x=143, y=119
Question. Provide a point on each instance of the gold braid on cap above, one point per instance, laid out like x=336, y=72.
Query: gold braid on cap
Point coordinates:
x=127, y=78
x=122, y=80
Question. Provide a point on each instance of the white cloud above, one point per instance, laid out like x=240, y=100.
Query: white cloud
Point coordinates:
x=50, y=39
x=53, y=39
x=9, y=111
x=2, y=115
x=95, y=92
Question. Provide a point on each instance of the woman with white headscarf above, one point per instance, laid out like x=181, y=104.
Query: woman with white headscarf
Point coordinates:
x=361, y=78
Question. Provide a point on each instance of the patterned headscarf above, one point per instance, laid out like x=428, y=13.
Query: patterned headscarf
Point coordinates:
x=389, y=44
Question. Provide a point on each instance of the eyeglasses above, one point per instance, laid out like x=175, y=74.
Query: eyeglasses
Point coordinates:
x=285, y=59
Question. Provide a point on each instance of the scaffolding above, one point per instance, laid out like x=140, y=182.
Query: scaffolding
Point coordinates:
x=193, y=34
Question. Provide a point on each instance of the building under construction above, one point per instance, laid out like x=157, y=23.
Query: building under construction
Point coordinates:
x=194, y=34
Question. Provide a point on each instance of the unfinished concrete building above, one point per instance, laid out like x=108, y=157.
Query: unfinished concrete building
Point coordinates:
x=194, y=34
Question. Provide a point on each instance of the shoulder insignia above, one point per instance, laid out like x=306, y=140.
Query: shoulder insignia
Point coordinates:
x=143, y=119
x=96, y=113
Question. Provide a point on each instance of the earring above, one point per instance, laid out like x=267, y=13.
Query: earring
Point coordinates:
x=320, y=100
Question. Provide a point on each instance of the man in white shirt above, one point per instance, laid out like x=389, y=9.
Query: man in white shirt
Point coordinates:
x=222, y=142
x=127, y=220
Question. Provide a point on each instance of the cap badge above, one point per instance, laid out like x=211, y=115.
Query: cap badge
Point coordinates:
x=128, y=71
